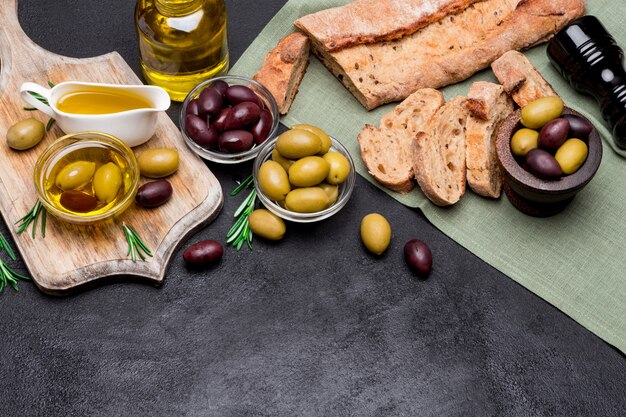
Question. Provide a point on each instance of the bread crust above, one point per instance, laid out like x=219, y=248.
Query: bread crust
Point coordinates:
x=520, y=78
x=449, y=51
x=439, y=154
x=370, y=21
x=488, y=105
x=283, y=69
x=387, y=150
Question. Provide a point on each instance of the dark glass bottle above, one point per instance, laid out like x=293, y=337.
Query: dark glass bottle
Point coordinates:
x=592, y=62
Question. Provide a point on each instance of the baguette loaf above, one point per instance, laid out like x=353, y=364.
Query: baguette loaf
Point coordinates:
x=439, y=154
x=387, y=150
x=369, y=21
x=448, y=51
x=488, y=106
x=520, y=78
x=283, y=69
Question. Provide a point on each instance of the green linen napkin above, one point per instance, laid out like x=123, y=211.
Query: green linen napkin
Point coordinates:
x=575, y=260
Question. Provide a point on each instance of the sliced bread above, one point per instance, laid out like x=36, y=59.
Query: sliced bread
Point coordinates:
x=520, y=78
x=439, y=154
x=488, y=106
x=387, y=150
x=283, y=69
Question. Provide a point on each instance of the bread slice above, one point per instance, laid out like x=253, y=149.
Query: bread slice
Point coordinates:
x=283, y=69
x=520, y=78
x=448, y=51
x=387, y=150
x=439, y=154
x=369, y=21
x=488, y=106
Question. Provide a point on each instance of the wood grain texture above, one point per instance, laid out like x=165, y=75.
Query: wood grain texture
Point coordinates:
x=70, y=255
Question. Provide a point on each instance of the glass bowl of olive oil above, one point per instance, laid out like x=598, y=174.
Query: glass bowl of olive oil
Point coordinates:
x=86, y=177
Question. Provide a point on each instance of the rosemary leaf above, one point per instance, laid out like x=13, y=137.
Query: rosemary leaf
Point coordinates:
x=29, y=108
x=31, y=219
x=5, y=245
x=49, y=125
x=245, y=184
x=9, y=277
x=39, y=97
x=51, y=84
x=136, y=247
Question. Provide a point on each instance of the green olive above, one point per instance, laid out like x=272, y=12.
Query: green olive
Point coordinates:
x=539, y=112
x=332, y=191
x=273, y=180
x=375, y=233
x=158, y=162
x=75, y=175
x=296, y=144
x=306, y=200
x=308, y=171
x=284, y=162
x=339, y=167
x=266, y=224
x=107, y=182
x=571, y=155
x=523, y=141
x=25, y=134
x=326, y=142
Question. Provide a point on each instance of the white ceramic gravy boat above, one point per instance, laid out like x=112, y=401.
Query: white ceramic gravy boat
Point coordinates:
x=134, y=127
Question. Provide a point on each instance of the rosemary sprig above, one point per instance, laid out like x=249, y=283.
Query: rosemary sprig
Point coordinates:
x=240, y=232
x=9, y=277
x=31, y=218
x=135, y=244
x=5, y=245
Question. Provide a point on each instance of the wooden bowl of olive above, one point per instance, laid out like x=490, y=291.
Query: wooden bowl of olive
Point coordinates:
x=547, y=153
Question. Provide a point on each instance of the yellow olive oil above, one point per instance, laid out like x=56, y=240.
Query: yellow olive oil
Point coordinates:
x=101, y=100
x=82, y=199
x=181, y=42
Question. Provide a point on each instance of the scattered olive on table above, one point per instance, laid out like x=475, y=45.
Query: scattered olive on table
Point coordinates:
x=266, y=224
x=25, y=134
x=153, y=194
x=418, y=257
x=203, y=254
x=158, y=162
x=550, y=144
x=375, y=233
x=228, y=119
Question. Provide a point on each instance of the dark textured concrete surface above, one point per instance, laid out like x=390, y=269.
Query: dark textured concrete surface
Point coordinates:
x=311, y=326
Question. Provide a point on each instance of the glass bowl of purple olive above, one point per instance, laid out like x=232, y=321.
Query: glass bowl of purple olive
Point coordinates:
x=226, y=119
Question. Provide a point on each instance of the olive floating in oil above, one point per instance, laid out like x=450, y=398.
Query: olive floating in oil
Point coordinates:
x=88, y=181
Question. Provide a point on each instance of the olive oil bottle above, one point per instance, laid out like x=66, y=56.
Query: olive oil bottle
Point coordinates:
x=181, y=42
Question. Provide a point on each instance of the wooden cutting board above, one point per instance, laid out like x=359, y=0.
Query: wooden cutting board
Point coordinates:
x=70, y=256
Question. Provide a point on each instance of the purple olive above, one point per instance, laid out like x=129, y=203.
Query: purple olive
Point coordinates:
x=154, y=193
x=210, y=102
x=261, y=129
x=234, y=141
x=192, y=108
x=241, y=115
x=201, y=133
x=418, y=257
x=542, y=164
x=239, y=93
x=78, y=201
x=220, y=86
x=203, y=254
x=219, y=121
x=579, y=128
x=553, y=134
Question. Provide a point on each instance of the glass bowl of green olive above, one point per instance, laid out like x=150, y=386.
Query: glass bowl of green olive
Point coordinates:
x=86, y=177
x=299, y=181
